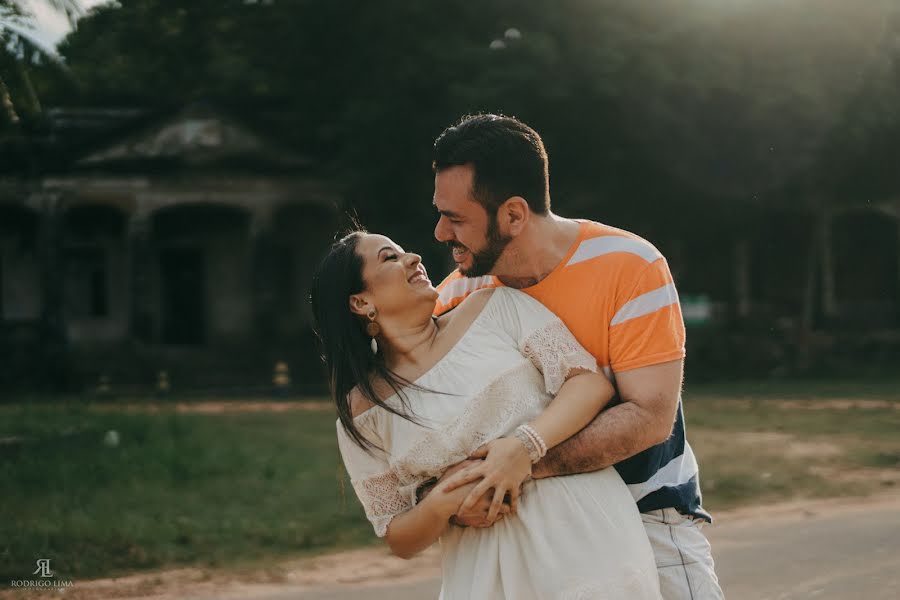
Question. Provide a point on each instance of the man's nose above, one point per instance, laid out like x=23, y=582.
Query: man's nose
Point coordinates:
x=441, y=232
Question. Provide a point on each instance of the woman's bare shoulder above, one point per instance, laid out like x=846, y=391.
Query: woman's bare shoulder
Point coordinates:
x=471, y=307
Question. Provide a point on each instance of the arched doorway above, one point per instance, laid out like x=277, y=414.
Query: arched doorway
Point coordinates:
x=202, y=273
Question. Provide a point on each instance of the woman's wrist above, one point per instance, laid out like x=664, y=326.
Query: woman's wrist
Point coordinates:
x=523, y=449
x=439, y=504
x=530, y=443
x=425, y=488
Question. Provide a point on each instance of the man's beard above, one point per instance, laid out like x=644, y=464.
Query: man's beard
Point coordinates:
x=483, y=261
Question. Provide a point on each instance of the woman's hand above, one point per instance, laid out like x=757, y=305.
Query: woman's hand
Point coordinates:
x=448, y=494
x=505, y=467
x=477, y=517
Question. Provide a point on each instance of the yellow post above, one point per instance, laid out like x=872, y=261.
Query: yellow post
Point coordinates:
x=281, y=378
x=162, y=383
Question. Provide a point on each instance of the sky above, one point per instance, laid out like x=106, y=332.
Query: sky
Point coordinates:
x=53, y=26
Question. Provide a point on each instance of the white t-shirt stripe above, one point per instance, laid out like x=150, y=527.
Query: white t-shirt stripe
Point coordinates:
x=645, y=304
x=607, y=244
x=678, y=471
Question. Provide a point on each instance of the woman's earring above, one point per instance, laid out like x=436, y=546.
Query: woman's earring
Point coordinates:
x=372, y=330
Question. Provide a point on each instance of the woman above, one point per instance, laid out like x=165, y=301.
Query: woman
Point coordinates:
x=416, y=395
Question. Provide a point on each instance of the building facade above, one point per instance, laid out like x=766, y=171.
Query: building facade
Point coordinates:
x=186, y=246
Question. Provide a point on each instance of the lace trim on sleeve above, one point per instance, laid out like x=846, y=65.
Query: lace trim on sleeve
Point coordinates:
x=383, y=498
x=556, y=353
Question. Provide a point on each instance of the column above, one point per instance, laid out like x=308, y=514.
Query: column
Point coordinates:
x=829, y=296
x=813, y=271
x=140, y=251
x=54, y=342
x=742, y=278
x=897, y=274
x=262, y=273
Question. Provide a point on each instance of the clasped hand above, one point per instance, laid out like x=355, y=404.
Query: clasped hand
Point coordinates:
x=504, y=468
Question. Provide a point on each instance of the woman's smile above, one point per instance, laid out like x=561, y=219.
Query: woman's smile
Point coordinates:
x=419, y=276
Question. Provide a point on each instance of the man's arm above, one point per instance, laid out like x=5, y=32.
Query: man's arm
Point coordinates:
x=643, y=419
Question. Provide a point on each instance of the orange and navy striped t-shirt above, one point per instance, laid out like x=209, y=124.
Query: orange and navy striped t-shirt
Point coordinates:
x=613, y=290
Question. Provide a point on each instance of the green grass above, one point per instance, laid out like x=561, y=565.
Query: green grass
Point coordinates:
x=872, y=388
x=769, y=442
x=242, y=488
x=178, y=489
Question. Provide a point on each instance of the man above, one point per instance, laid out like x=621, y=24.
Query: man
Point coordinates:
x=615, y=292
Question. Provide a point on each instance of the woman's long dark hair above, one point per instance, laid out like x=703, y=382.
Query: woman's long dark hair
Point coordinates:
x=345, y=346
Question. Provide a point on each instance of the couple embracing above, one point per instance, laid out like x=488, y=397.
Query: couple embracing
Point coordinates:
x=526, y=413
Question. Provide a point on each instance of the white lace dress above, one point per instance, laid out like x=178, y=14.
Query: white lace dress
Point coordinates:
x=578, y=536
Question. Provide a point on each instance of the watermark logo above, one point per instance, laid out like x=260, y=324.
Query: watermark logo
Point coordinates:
x=46, y=574
x=43, y=567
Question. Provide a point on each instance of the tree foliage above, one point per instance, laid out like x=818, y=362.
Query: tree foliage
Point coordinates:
x=21, y=49
x=665, y=103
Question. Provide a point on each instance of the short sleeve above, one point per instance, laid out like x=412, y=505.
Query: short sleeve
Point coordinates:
x=544, y=339
x=647, y=327
x=376, y=485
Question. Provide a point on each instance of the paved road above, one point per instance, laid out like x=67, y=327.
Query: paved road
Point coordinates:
x=826, y=554
x=851, y=553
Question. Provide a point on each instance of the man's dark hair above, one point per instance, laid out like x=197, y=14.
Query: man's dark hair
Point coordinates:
x=507, y=156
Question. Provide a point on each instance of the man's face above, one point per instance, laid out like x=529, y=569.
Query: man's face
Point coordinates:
x=464, y=225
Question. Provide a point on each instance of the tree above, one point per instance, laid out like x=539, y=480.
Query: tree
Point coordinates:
x=20, y=48
x=679, y=107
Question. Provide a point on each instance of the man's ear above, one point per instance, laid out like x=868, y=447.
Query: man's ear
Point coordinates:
x=513, y=215
x=359, y=305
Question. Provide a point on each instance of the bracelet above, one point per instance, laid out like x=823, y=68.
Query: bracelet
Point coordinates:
x=536, y=438
x=534, y=452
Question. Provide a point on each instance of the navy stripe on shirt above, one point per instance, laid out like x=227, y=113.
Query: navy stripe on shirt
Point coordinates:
x=643, y=465
x=684, y=496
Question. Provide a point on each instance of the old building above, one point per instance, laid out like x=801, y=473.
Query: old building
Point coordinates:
x=184, y=243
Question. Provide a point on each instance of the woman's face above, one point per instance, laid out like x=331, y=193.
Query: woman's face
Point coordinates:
x=395, y=280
